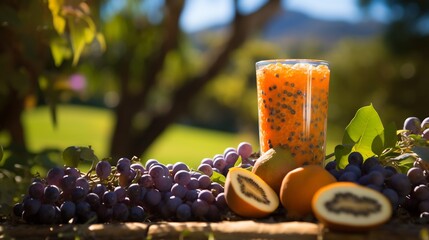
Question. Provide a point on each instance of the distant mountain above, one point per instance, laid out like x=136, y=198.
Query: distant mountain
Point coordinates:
x=298, y=26
x=295, y=27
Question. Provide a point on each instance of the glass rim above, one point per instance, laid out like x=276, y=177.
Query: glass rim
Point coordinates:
x=292, y=61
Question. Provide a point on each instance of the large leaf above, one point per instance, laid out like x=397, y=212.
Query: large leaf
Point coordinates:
x=360, y=135
x=387, y=139
x=58, y=21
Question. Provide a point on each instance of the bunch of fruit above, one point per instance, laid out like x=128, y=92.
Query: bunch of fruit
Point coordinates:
x=131, y=191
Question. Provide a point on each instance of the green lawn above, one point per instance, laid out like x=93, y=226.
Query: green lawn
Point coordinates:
x=78, y=125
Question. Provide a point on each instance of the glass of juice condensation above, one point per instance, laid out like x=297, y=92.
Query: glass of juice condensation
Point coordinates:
x=293, y=107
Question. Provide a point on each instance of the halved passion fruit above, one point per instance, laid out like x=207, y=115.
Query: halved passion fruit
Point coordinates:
x=248, y=195
x=347, y=206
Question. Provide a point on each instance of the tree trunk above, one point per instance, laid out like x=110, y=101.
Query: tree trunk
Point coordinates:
x=133, y=143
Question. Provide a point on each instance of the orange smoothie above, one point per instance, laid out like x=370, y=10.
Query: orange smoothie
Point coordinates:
x=293, y=107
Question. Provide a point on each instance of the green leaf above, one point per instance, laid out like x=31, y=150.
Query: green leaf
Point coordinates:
x=58, y=21
x=363, y=129
x=387, y=139
x=71, y=156
x=360, y=135
x=60, y=50
x=219, y=178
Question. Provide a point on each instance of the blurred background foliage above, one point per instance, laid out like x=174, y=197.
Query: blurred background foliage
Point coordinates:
x=124, y=78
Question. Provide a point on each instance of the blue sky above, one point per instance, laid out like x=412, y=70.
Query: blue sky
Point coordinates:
x=200, y=14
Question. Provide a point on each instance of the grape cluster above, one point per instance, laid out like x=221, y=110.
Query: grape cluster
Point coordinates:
x=414, y=126
x=131, y=191
x=371, y=173
x=418, y=200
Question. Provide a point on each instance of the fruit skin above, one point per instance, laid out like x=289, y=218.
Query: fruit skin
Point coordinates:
x=341, y=225
x=299, y=186
x=273, y=166
x=244, y=206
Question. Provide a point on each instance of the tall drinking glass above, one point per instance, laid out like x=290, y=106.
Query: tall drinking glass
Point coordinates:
x=293, y=107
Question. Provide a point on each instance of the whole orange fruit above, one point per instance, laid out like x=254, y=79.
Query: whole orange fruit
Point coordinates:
x=299, y=186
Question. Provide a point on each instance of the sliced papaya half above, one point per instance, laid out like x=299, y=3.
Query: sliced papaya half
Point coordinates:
x=248, y=195
x=347, y=206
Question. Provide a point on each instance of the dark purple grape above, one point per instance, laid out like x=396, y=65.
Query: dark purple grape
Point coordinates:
x=204, y=181
x=425, y=124
x=35, y=190
x=72, y=172
x=353, y=168
x=377, y=188
x=244, y=149
x=83, y=183
x=137, y=167
x=31, y=205
x=200, y=208
x=68, y=211
x=179, y=166
x=137, y=214
x=123, y=165
x=51, y=194
x=134, y=192
x=157, y=171
x=416, y=176
x=228, y=150
x=78, y=194
x=369, y=163
x=82, y=209
x=110, y=198
x=163, y=184
x=208, y=161
x=150, y=162
x=389, y=171
x=425, y=134
x=104, y=213
x=173, y=202
x=348, y=177
x=183, y=212
x=182, y=177
x=68, y=183
x=121, y=193
x=99, y=189
x=93, y=200
x=219, y=163
x=363, y=180
x=103, y=169
x=191, y=195
x=355, y=158
x=193, y=184
x=412, y=124
x=18, y=208
x=213, y=213
x=153, y=197
x=178, y=190
x=421, y=193
x=220, y=201
x=146, y=181
x=331, y=165
x=336, y=173
x=401, y=184
x=207, y=196
x=46, y=214
x=392, y=195
x=120, y=212
x=376, y=178
x=423, y=206
x=216, y=188
x=54, y=176
x=206, y=169
x=196, y=174
x=231, y=158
